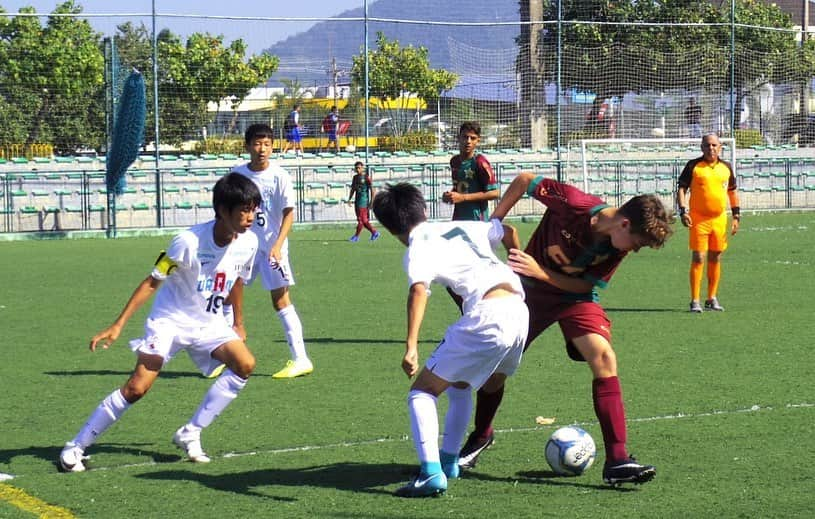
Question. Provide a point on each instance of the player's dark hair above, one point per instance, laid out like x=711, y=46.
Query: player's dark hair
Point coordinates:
x=258, y=131
x=358, y=163
x=399, y=207
x=235, y=190
x=470, y=126
x=649, y=219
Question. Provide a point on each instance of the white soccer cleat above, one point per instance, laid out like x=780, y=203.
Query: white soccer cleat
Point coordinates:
x=71, y=458
x=190, y=441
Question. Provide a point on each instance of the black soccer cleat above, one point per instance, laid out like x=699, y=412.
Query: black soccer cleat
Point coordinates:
x=473, y=447
x=628, y=471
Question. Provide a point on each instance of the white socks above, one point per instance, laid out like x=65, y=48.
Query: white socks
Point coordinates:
x=108, y=411
x=457, y=419
x=424, y=425
x=294, y=333
x=220, y=395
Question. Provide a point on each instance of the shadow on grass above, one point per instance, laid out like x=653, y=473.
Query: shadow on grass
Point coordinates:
x=350, y=476
x=126, y=374
x=547, y=477
x=335, y=340
x=51, y=452
x=647, y=310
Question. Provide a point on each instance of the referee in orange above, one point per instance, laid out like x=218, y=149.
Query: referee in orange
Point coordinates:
x=705, y=186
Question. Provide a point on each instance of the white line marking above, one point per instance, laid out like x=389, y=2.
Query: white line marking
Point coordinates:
x=677, y=416
x=786, y=262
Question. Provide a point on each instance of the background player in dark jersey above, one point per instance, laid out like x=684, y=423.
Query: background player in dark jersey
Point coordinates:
x=362, y=194
x=576, y=248
x=474, y=182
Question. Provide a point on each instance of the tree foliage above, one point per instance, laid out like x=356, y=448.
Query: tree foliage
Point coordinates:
x=617, y=57
x=396, y=72
x=51, y=80
x=204, y=71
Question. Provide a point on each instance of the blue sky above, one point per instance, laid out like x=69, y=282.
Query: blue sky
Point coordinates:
x=256, y=39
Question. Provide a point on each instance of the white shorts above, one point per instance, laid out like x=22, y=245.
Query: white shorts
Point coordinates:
x=488, y=339
x=165, y=338
x=272, y=276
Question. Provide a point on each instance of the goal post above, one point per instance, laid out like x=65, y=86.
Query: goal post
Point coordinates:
x=646, y=150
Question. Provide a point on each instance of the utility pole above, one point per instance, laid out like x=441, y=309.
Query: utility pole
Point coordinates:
x=335, y=75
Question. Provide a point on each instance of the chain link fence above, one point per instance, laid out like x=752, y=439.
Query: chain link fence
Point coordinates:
x=540, y=77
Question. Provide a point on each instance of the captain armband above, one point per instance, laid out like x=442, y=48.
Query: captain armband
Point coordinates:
x=736, y=210
x=164, y=265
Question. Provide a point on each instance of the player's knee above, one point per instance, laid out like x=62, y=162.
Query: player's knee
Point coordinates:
x=604, y=363
x=133, y=391
x=244, y=366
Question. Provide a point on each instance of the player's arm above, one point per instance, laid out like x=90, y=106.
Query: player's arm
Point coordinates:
x=682, y=192
x=416, y=304
x=353, y=189
x=481, y=196
x=733, y=196
x=526, y=265
x=236, y=300
x=514, y=192
x=510, y=238
x=285, y=227
x=140, y=296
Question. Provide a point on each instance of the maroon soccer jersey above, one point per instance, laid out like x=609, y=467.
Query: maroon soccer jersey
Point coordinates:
x=566, y=228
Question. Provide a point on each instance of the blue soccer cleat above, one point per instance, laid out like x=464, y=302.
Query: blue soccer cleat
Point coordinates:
x=424, y=485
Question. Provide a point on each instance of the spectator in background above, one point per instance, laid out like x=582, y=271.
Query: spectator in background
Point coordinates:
x=330, y=126
x=294, y=140
x=693, y=117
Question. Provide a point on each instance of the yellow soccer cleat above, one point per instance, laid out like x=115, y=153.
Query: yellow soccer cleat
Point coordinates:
x=216, y=372
x=295, y=369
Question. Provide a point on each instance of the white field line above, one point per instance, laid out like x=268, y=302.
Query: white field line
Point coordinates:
x=677, y=416
x=787, y=262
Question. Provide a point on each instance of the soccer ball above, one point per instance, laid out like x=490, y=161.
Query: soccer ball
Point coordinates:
x=570, y=451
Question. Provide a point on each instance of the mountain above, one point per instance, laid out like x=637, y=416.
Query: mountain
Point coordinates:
x=307, y=56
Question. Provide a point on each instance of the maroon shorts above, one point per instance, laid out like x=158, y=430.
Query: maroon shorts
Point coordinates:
x=362, y=214
x=576, y=319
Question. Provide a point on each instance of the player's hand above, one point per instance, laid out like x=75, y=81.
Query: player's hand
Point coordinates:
x=558, y=256
x=524, y=264
x=410, y=364
x=105, y=337
x=240, y=330
x=451, y=197
x=686, y=220
x=734, y=227
x=274, y=256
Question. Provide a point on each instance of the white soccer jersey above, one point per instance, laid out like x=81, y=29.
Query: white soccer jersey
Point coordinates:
x=198, y=275
x=277, y=191
x=459, y=255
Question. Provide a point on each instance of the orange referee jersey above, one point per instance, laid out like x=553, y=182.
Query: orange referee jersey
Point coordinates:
x=709, y=185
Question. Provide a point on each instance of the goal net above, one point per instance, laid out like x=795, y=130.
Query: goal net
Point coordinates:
x=627, y=167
